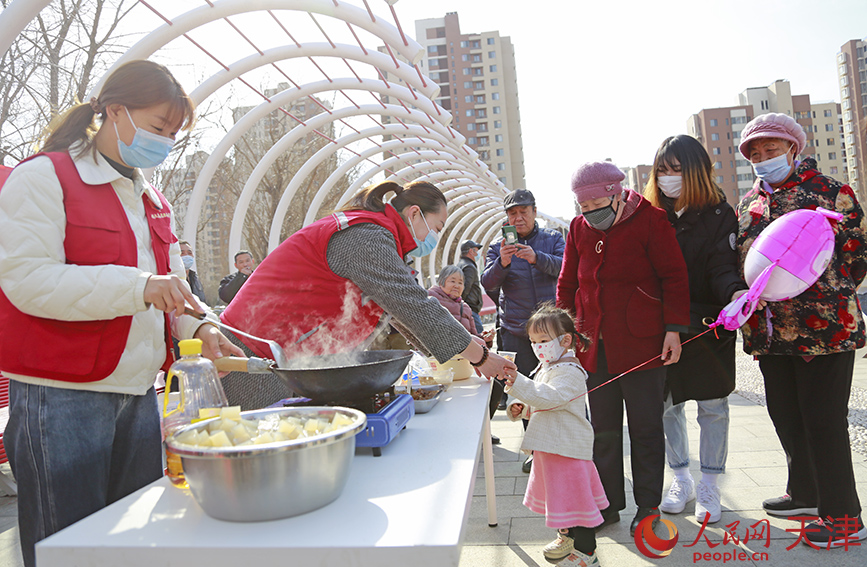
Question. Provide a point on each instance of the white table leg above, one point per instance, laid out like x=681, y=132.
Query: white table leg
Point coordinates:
x=490, y=487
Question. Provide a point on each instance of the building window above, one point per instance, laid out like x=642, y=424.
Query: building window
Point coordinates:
x=492, y=54
x=493, y=68
x=500, y=152
x=717, y=165
x=833, y=170
x=483, y=141
x=498, y=138
x=490, y=41
x=496, y=110
x=716, y=151
x=480, y=99
x=465, y=57
x=498, y=123
x=495, y=96
x=465, y=44
x=476, y=44
x=714, y=136
x=495, y=82
x=478, y=85
x=501, y=166
x=829, y=127
x=832, y=155
x=472, y=140
x=432, y=48
x=719, y=178
x=466, y=70
x=502, y=180
x=468, y=98
x=828, y=113
x=830, y=141
x=471, y=126
x=468, y=84
x=713, y=122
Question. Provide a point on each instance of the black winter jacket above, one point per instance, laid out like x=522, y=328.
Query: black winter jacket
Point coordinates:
x=706, y=369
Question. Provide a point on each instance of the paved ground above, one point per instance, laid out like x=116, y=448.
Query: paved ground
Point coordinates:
x=756, y=470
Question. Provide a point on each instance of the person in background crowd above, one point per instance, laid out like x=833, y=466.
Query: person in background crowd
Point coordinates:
x=472, y=288
x=93, y=311
x=806, y=345
x=681, y=184
x=231, y=284
x=625, y=280
x=564, y=483
x=192, y=278
x=526, y=274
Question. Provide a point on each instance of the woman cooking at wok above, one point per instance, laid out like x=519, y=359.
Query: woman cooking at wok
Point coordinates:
x=339, y=274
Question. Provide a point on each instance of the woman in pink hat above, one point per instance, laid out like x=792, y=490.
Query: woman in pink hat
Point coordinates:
x=806, y=345
x=625, y=280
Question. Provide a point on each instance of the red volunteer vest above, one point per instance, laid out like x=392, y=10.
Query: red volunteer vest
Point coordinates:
x=97, y=233
x=293, y=290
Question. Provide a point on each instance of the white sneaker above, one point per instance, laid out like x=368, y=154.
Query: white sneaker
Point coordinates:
x=578, y=559
x=681, y=492
x=707, y=503
x=559, y=548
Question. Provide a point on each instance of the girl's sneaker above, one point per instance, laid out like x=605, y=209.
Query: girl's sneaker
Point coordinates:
x=560, y=547
x=578, y=559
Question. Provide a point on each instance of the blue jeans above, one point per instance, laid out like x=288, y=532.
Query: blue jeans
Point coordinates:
x=713, y=420
x=74, y=452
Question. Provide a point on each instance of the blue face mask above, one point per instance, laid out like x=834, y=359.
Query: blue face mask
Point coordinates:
x=188, y=261
x=427, y=245
x=774, y=170
x=147, y=149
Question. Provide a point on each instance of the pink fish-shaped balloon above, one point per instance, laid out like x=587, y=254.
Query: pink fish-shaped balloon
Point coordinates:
x=787, y=257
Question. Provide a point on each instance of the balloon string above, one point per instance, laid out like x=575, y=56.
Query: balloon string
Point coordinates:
x=622, y=374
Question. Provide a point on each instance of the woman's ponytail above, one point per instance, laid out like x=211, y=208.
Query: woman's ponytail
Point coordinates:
x=74, y=125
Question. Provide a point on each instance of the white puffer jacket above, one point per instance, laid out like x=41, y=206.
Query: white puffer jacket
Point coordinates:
x=36, y=279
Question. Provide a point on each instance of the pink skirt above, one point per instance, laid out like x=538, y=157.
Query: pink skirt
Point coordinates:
x=568, y=491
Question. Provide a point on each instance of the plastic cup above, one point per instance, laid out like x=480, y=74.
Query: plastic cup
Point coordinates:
x=508, y=355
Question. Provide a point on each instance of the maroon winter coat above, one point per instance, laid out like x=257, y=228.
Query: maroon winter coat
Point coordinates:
x=635, y=275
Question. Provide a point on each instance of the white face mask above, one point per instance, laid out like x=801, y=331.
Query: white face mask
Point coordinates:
x=550, y=351
x=670, y=185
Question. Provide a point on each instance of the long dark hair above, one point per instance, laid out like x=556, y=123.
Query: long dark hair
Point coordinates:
x=424, y=194
x=137, y=84
x=698, y=190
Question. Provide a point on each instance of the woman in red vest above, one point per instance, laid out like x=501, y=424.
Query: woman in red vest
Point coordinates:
x=89, y=273
x=341, y=273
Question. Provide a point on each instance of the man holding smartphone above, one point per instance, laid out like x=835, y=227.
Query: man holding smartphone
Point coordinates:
x=526, y=274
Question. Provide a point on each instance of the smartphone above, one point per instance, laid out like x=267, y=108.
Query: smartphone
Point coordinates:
x=510, y=234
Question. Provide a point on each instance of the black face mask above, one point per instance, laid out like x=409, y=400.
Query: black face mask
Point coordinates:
x=601, y=218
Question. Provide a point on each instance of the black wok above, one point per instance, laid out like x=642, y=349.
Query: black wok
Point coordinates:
x=328, y=379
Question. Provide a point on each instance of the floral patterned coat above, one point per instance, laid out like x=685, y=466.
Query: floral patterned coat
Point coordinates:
x=825, y=318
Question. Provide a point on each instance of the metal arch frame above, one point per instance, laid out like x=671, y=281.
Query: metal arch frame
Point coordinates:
x=344, y=51
x=296, y=133
x=197, y=197
x=329, y=150
x=220, y=9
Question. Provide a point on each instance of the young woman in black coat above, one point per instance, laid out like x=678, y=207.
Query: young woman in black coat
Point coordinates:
x=681, y=183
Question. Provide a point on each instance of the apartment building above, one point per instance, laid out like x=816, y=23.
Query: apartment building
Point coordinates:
x=852, y=75
x=479, y=86
x=719, y=131
x=636, y=177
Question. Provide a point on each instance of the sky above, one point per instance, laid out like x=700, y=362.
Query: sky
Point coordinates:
x=612, y=79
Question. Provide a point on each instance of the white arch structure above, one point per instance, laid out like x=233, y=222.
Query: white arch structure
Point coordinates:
x=417, y=143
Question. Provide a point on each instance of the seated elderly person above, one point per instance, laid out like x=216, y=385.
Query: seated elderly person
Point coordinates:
x=450, y=286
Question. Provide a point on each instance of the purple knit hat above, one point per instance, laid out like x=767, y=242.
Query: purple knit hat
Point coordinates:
x=772, y=125
x=597, y=179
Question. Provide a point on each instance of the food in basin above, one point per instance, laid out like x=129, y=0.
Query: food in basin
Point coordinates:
x=270, y=463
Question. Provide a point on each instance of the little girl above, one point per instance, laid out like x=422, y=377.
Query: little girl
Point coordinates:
x=564, y=484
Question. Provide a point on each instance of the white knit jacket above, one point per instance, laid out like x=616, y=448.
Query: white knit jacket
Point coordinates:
x=37, y=280
x=558, y=421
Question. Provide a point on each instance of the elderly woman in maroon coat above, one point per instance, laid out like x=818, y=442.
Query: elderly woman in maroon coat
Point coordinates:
x=625, y=280
x=448, y=290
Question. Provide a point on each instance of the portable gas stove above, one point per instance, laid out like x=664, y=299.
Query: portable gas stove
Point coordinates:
x=387, y=415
